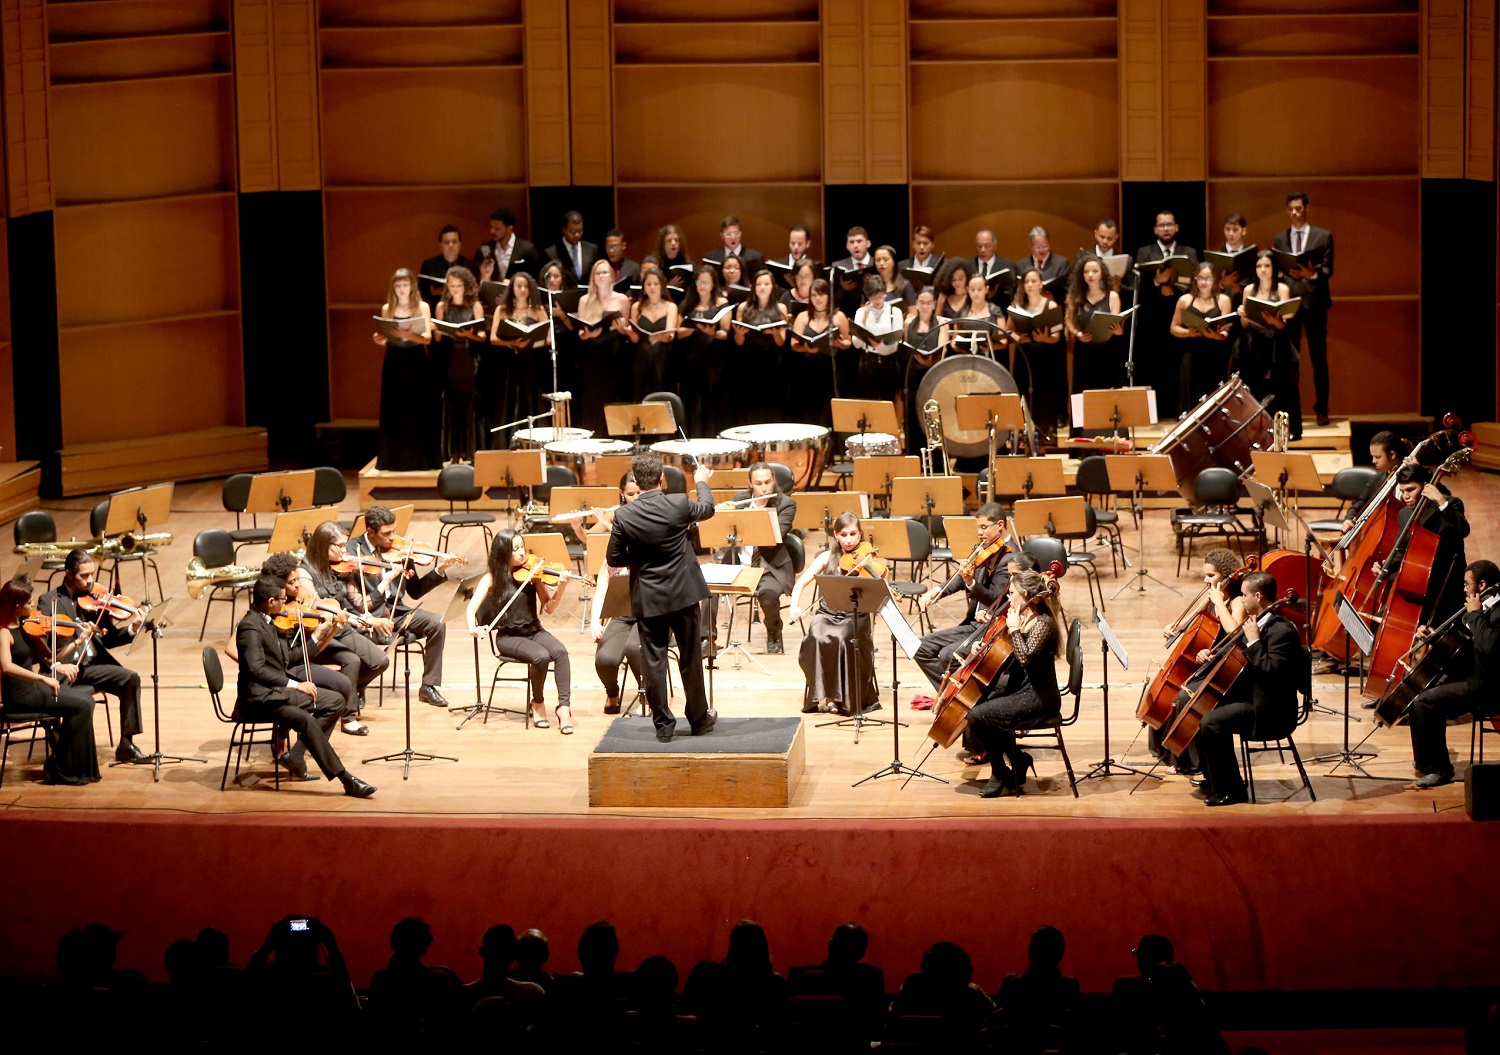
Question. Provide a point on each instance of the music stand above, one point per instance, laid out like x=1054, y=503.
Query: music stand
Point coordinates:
x=639, y=419
x=407, y=755
x=741, y=527
x=906, y=639
x=864, y=415
x=736, y=478
x=508, y=471
x=279, y=492
x=926, y=496
x=596, y=553
x=156, y=625
x=291, y=530
x=990, y=413
x=1108, y=644
x=1357, y=635
x=1050, y=516
x=131, y=511
x=1291, y=471
x=1137, y=473
x=401, y=513
x=458, y=611
x=817, y=510
x=550, y=546
x=1025, y=477
x=1116, y=409
x=875, y=474
x=962, y=533
x=863, y=596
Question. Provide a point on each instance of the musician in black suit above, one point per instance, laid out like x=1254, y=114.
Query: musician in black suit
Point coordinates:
x=1387, y=452
x=1054, y=268
x=574, y=254
x=1310, y=282
x=1158, y=289
x=849, y=287
x=626, y=270
x=513, y=254
x=98, y=669
x=775, y=562
x=987, y=263
x=1437, y=510
x=650, y=537
x=1478, y=694
x=378, y=595
x=985, y=585
x=267, y=692
x=1262, y=702
x=731, y=234
x=434, y=270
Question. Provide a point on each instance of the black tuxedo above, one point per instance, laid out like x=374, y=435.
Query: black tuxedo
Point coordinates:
x=524, y=257
x=1157, y=353
x=1478, y=694
x=559, y=251
x=1002, y=296
x=100, y=670
x=1312, y=315
x=1261, y=705
x=779, y=575
x=938, y=648
x=428, y=626
x=650, y=537
x=265, y=693
x=752, y=260
x=437, y=267
x=1055, y=267
x=631, y=270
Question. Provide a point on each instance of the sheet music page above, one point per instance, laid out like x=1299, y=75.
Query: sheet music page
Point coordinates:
x=900, y=629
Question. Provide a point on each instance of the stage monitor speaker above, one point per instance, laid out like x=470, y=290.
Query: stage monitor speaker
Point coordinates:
x=1482, y=792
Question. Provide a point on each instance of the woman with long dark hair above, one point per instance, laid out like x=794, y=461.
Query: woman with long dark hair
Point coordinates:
x=838, y=653
x=812, y=377
x=461, y=394
x=703, y=332
x=411, y=393
x=1096, y=363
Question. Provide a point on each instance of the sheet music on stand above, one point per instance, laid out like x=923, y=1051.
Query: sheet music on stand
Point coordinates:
x=900, y=629
x=1359, y=631
x=1117, y=649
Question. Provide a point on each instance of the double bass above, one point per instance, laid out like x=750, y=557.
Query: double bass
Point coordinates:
x=1191, y=637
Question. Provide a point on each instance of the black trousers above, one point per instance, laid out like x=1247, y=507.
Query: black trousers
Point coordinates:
x=105, y=674
x=1429, y=716
x=1313, y=322
x=1215, y=742
x=537, y=651
x=356, y=657
x=937, y=650
x=657, y=632
x=769, y=593
x=327, y=680
x=621, y=642
x=311, y=719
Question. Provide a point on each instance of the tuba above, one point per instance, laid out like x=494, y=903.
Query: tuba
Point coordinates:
x=200, y=578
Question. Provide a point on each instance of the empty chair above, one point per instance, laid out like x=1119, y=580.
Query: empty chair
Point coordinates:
x=214, y=548
x=236, y=496
x=1348, y=486
x=456, y=484
x=1093, y=482
x=1216, y=495
x=38, y=528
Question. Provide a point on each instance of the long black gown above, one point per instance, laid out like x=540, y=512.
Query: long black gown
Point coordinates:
x=1268, y=363
x=73, y=758
x=411, y=409
x=1096, y=363
x=834, y=646
x=461, y=393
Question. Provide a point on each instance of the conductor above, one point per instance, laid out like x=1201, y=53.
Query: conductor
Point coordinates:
x=650, y=537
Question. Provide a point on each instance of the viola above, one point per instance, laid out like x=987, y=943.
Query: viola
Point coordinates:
x=366, y=564
x=537, y=570
x=862, y=561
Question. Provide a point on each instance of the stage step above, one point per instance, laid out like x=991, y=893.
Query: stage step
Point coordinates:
x=745, y=763
x=19, y=482
x=89, y=468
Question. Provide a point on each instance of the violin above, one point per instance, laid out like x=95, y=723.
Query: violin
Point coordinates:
x=295, y=615
x=39, y=624
x=862, y=561
x=537, y=570
x=366, y=564
x=99, y=599
x=404, y=549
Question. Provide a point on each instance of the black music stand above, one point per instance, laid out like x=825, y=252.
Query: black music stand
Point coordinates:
x=156, y=625
x=927, y=496
x=276, y=492
x=407, y=755
x=1293, y=471
x=1138, y=473
x=1357, y=634
x=906, y=639
x=862, y=595
x=1108, y=644
x=741, y=527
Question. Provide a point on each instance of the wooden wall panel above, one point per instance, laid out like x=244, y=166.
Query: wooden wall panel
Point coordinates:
x=843, y=63
x=255, y=95
x=1374, y=358
x=766, y=214
x=23, y=73
x=201, y=357
x=354, y=363
x=942, y=149
x=181, y=254
x=1141, y=112
x=1480, y=101
x=591, y=92
x=657, y=106
x=299, y=160
x=451, y=15
x=1068, y=210
x=465, y=127
x=1184, y=58
x=139, y=139
x=885, y=91
x=548, y=143
x=1368, y=100
x=1443, y=84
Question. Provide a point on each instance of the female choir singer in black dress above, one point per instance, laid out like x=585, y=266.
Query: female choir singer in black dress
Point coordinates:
x=926, y=336
x=762, y=348
x=71, y=756
x=528, y=358
x=1096, y=363
x=411, y=392
x=1264, y=355
x=601, y=360
x=554, y=280
x=460, y=303
x=811, y=373
x=519, y=633
x=1041, y=361
x=898, y=290
x=1204, y=362
x=704, y=329
x=952, y=286
x=653, y=328
x=672, y=255
x=834, y=639
x=799, y=295
x=1031, y=696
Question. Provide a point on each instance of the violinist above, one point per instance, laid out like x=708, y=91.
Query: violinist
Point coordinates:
x=617, y=639
x=24, y=690
x=304, y=641
x=1437, y=510
x=91, y=664
x=1262, y=702
x=1223, y=586
x=983, y=577
x=384, y=597
x=775, y=561
x=1030, y=696
x=828, y=650
x=1478, y=694
x=509, y=600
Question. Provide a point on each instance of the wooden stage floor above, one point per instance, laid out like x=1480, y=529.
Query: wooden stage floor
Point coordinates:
x=505, y=771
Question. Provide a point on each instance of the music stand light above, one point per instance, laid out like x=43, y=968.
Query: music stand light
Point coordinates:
x=1136, y=474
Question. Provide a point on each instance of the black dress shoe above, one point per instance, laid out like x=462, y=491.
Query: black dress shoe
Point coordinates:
x=354, y=787
x=297, y=767
x=1322, y=418
x=1198, y=782
x=774, y=646
x=996, y=787
x=1370, y=705
x=664, y=733
x=707, y=725
x=430, y=694
x=1227, y=800
x=128, y=752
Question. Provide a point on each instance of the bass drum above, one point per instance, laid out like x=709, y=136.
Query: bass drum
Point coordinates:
x=964, y=375
x=1221, y=430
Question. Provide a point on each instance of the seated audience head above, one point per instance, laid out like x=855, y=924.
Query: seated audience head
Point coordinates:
x=598, y=947
x=411, y=938
x=213, y=947
x=532, y=949
x=498, y=947
x=849, y=943
x=947, y=966
x=1152, y=949
x=1046, y=947
x=748, y=947
x=654, y=984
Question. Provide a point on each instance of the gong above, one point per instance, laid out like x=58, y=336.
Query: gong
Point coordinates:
x=963, y=375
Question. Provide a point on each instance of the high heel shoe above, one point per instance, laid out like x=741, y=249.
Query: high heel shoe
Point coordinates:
x=1022, y=763
x=539, y=716
x=564, y=725
x=1001, y=780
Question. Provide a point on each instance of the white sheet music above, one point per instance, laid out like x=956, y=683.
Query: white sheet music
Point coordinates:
x=900, y=629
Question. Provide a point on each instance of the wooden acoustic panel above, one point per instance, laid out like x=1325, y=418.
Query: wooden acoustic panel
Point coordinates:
x=1067, y=210
x=142, y=18
x=156, y=56
x=442, y=127
x=1270, y=35
x=354, y=362
x=1373, y=102
x=741, y=11
x=766, y=214
x=999, y=39
x=110, y=465
x=1320, y=7
x=964, y=115
x=753, y=42
x=370, y=233
x=450, y=14
x=1480, y=96
x=1374, y=358
x=924, y=10
x=1375, y=223
x=167, y=377
x=121, y=140
x=181, y=257
x=717, y=124
x=380, y=48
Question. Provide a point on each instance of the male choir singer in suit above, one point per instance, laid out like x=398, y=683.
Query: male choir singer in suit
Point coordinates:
x=650, y=537
x=574, y=254
x=778, y=575
x=268, y=693
x=1158, y=288
x=513, y=254
x=1310, y=282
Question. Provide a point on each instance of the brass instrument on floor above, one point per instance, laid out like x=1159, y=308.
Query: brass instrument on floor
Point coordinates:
x=932, y=424
x=200, y=578
x=129, y=542
x=1281, y=431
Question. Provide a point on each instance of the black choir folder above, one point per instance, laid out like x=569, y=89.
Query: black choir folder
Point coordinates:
x=1286, y=261
x=603, y=322
x=1101, y=321
x=388, y=327
x=997, y=282
x=519, y=329
x=1023, y=321
x=472, y=328
x=1182, y=265
x=1194, y=319
x=708, y=316
x=1241, y=263
x=759, y=327
x=1285, y=308
x=817, y=340
x=871, y=337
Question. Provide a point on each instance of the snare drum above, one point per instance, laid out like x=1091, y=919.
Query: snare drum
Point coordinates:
x=802, y=448
x=532, y=439
x=1221, y=430
x=582, y=456
x=716, y=454
x=862, y=446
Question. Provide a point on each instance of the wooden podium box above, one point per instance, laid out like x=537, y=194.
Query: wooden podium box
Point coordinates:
x=745, y=763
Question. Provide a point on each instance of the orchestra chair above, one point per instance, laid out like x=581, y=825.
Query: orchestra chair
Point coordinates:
x=677, y=480
x=671, y=399
x=485, y=707
x=1083, y=558
x=13, y=724
x=1348, y=484
x=557, y=476
x=242, y=734
x=1093, y=482
x=215, y=548
x=145, y=554
x=920, y=542
x=798, y=550
x=38, y=527
x=456, y=484
x=1217, y=492
x=1049, y=736
x=330, y=489
x=1280, y=745
x=1482, y=727
x=1047, y=549
x=236, y=496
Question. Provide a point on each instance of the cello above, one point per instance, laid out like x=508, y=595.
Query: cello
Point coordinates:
x=1156, y=703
